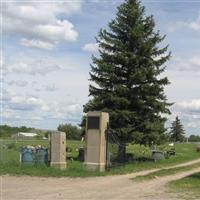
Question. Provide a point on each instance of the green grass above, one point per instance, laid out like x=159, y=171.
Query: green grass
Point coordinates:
x=166, y=172
x=9, y=160
x=188, y=187
x=74, y=169
x=184, y=153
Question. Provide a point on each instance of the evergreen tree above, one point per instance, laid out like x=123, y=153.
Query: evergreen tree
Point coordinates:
x=177, y=131
x=125, y=78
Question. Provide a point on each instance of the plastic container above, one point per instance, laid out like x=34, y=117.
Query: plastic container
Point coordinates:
x=41, y=156
x=32, y=156
x=27, y=156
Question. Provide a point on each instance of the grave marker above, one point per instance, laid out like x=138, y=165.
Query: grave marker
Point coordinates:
x=58, y=149
x=95, y=152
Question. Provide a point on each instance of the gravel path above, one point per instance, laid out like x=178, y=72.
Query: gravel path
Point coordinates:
x=119, y=187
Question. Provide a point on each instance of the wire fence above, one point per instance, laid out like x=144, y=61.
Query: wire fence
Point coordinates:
x=115, y=150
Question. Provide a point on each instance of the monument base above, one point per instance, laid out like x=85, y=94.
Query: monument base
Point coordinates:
x=59, y=165
x=95, y=166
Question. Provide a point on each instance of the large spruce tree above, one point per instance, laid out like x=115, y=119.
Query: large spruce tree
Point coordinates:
x=126, y=78
x=177, y=131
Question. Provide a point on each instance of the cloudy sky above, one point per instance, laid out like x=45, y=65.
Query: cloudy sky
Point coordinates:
x=46, y=53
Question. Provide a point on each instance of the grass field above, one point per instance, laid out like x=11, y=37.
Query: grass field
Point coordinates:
x=184, y=153
x=190, y=185
x=9, y=160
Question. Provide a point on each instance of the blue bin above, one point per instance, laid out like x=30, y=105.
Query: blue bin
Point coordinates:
x=42, y=156
x=27, y=156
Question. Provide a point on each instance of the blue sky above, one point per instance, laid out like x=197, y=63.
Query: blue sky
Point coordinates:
x=47, y=48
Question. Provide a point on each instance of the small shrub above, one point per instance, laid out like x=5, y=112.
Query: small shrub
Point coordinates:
x=139, y=150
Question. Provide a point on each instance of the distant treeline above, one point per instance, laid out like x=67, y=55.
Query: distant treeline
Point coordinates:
x=72, y=132
x=7, y=131
x=194, y=138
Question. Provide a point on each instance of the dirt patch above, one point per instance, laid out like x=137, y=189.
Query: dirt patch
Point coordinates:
x=110, y=187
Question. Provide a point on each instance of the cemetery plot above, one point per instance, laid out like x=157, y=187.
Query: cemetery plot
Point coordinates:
x=10, y=150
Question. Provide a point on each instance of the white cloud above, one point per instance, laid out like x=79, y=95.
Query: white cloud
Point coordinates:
x=7, y=113
x=193, y=25
x=5, y=96
x=192, y=125
x=25, y=103
x=189, y=113
x=20, y=107
x=91, y=47
x=65, y=110
x=192, y=106
x=36, y=44
x=186, y=64
x=19, y=83
x=37, y=118
x=39, y=23
x=50, y=88
x=2, y=65
x=176, y=26
x=40, y=67
x=15, y=103
x=1, y=61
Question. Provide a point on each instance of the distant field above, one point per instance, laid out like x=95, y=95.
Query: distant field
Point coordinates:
x=9, y=159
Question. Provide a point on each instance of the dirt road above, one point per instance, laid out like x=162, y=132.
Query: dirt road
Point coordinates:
x=106, y=188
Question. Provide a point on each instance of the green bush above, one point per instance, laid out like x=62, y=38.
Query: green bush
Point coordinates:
x=139, y=150
x=72, y=132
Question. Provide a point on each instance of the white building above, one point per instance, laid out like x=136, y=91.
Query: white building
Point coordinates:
x=23, y=135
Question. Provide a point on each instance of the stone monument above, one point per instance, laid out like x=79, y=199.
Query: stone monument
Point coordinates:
x=95, y=152
x=58, y=150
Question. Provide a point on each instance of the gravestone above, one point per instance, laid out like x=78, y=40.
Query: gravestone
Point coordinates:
x=58, y=149
x=95, y=152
